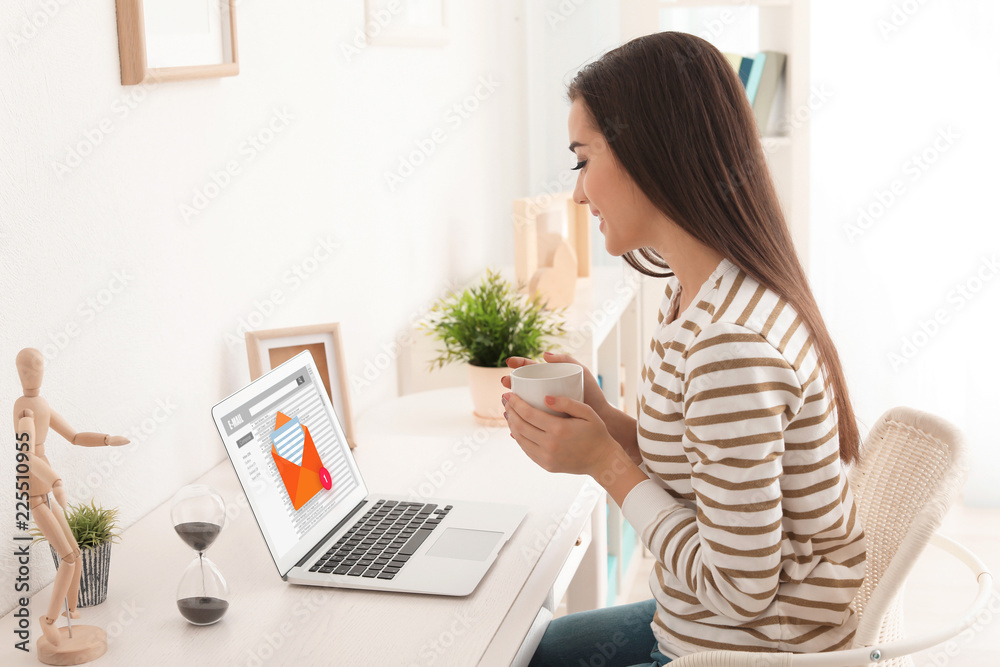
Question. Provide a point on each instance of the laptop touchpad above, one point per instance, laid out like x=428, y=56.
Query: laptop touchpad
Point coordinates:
x=465, y=544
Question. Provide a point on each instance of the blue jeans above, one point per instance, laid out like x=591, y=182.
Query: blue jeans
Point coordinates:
x=610, y=637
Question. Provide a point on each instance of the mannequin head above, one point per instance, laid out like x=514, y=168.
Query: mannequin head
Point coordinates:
x=30, y=366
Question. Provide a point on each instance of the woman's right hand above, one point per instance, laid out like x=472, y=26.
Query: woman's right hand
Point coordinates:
x=592, y=393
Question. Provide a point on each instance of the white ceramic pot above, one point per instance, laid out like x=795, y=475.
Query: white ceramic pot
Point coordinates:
x=487, y=394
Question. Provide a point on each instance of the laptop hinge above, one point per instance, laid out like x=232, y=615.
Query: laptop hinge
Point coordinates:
x=312, y=552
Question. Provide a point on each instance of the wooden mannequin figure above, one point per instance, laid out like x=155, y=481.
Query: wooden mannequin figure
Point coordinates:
x=74, y=644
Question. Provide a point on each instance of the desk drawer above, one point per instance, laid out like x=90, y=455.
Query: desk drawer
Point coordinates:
x=569, y=568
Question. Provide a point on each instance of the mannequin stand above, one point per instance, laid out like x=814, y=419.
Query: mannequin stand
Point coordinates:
x=88, y=642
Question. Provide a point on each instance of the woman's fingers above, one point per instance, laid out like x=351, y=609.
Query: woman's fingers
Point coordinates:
x=561, y=358
x=517, y=362
x=515, y=408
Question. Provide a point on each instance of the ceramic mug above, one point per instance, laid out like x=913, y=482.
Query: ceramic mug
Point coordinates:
x=536, y=381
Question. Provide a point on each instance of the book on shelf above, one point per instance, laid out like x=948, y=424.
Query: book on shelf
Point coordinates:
x=760, y=76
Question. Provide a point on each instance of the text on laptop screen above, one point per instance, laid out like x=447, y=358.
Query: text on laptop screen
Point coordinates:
x=290, y=456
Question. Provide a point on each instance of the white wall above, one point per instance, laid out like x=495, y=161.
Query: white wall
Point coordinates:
x=897, y=82
x=562, y=36
x=170, y=336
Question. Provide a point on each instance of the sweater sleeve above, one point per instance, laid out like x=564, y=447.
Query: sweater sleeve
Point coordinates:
x=740, y=393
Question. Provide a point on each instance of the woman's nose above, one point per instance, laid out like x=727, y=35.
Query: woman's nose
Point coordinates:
x=578, y=196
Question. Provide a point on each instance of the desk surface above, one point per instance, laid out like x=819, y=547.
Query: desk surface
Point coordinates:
x=422, y=445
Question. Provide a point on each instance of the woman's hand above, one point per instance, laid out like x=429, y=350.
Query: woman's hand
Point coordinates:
x=592, y=393
x=578, y=444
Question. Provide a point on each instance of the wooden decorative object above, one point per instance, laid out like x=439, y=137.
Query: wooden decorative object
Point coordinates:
x=551, y=232
x=33, y=417
x=132, y=46
x=270, y=348
x=557, y=283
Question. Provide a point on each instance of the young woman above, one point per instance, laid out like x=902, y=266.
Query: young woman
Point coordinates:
x=733, y=473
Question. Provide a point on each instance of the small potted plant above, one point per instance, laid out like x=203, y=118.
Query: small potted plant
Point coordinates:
x=94, y=528
x=482, y=327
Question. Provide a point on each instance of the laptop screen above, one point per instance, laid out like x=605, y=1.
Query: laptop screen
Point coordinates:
x=291, y=456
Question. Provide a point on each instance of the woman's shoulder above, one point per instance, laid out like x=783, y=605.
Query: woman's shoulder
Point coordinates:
x=744, y=310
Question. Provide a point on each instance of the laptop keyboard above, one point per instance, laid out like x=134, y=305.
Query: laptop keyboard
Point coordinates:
x=382, y=540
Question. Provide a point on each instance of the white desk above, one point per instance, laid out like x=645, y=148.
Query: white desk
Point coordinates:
x=424, y=444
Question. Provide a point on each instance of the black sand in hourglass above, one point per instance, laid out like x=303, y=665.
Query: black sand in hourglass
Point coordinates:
x=202, y=611
x=198, y=535
x=198, y=514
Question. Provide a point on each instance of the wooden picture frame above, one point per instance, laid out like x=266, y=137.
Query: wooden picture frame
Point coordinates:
x=270, y=348
x=132, y=47
x=389, y=23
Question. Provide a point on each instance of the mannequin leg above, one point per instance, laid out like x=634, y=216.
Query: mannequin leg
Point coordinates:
x=77, y=560
x=49, y=525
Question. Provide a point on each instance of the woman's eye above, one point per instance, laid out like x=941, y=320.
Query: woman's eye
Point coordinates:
x=580, y=165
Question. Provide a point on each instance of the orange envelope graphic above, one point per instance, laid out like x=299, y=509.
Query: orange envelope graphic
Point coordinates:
x=303, y=477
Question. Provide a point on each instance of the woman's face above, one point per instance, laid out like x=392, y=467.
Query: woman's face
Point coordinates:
x=626, y=214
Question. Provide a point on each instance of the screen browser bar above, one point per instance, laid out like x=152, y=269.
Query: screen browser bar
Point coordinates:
x=258, y=407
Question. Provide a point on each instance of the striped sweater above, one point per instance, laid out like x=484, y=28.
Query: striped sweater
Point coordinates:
x=747, y=510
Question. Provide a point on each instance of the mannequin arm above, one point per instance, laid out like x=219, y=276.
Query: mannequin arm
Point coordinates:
x=26, y=424
x=83, y=439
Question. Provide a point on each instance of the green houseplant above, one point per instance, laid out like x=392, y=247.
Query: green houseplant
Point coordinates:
x=95, y=529
x=484, y=325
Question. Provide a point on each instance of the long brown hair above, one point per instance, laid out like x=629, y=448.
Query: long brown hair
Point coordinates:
x=677, y=118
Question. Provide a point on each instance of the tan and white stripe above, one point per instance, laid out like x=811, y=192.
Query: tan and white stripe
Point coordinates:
x=747, y=510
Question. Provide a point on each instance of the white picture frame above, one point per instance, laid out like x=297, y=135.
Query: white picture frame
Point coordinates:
x=269, y=348
x=406, y=22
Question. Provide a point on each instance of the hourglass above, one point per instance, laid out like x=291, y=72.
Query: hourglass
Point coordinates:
x=198, y=513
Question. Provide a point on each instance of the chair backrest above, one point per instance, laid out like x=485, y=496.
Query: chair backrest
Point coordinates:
x=912, y=466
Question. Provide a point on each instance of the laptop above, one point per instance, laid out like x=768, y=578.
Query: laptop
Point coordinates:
x=321, y=524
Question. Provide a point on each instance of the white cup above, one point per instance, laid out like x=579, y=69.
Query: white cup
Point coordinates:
x=536, y=381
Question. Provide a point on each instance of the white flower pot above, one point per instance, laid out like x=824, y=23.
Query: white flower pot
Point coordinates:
x=487, y=394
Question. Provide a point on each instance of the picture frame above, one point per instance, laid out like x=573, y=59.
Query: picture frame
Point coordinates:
x=174, y=40
x=269, y=348
x=406, y=22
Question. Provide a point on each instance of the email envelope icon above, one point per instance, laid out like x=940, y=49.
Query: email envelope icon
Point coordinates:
x=298, y=462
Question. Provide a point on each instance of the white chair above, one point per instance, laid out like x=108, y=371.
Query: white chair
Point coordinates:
x=911, y=469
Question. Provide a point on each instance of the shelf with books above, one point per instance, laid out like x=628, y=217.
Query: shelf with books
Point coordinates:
x=748, y=28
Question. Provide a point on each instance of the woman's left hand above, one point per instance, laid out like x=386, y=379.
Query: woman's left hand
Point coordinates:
x=578, y=444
